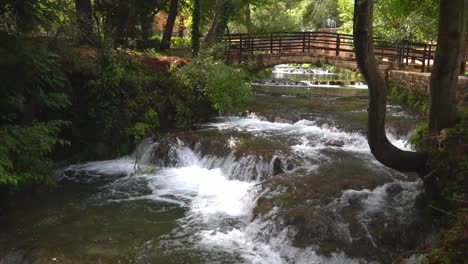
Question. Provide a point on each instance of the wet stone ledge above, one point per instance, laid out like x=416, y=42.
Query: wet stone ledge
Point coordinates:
x=418, y=83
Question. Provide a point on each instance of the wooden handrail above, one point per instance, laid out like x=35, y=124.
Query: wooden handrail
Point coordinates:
x=331, y=43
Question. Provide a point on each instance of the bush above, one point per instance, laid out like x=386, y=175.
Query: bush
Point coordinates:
x=409, y=98
x=111, y=103
x=226, y=88
x=176, y=42
x=32, y=99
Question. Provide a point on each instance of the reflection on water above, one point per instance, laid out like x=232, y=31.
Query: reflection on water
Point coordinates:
x=311, y=73
x=308, y=76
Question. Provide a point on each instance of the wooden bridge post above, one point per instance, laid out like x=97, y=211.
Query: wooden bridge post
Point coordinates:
x=303, y=42
x=308, y=43
x=240, y=48
x=423, y=68
x=400, y=57
x=407, y=53
x=337, y=44
x=252, y=45
x=271, y=43
x=280, y=43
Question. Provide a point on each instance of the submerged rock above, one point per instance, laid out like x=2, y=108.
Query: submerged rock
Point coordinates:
x=315, y=205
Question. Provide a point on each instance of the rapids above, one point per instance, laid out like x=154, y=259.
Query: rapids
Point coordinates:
x=291, y=181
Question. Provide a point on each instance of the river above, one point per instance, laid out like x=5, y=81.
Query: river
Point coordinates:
x=290, y=181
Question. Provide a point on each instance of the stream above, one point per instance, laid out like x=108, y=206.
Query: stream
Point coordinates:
x=290, y=181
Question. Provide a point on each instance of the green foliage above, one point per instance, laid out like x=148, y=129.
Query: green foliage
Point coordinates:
x=181, y=43
x=148, y=127
x=302, y=94
x=25, y=153
x=112, y=103
x=176, y=42
x=448, y=163
x=397, y=19
x=276, y=17
x=225, y=87
x=29, y=16
x=316, y=13
x=409, y=98
x=452, y=246
x=32, y=91
x=420, y=137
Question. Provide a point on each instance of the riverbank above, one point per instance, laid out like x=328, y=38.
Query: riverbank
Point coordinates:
x=81, y=103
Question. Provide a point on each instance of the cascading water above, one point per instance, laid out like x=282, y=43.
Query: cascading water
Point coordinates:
x=237, y=190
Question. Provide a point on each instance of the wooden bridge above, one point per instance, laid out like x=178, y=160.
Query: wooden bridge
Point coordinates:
x=261, y=51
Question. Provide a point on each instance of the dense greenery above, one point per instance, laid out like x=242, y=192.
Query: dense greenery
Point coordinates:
x=409, y=98
x=105, y=97
x=33, y=91
x=448, y=166
x=397, y=19
x=226, y=88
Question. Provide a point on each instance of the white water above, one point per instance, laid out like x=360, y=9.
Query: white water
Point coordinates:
x=219, y=193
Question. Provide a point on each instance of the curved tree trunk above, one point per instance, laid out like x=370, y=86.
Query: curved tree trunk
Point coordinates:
x=224, y=9
x=169, y=28
x=382, y=149
x=444, y=75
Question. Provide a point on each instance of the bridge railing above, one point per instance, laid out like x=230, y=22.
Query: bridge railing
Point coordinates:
x=241, y=46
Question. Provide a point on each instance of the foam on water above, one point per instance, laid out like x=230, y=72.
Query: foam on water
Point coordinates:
x=219, y=193
x=314, y=137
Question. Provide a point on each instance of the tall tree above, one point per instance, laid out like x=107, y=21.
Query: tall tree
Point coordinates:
x=248, y=17
x=168, y=29
x=196, y=34
x=224, y=9
x=84, y=14
x=451, y=31
x=383, y=150
x=444, y=77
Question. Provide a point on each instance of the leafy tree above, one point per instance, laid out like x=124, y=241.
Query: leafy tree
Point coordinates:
x=31, y=16
x=397, y=19
x=277, y=16
x=224, y=9
x=315, y=14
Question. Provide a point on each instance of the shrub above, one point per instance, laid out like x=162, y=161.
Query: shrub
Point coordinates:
x=111, y=103
x=226, y=88
x=32, y=99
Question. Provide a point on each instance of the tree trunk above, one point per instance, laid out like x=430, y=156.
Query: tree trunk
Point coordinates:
x=146, y=22
x=444, y=75
x=120, y=22
x=224, y=9
x=196, y=18
x=129, y=25
x=84, y=14
x=171, y=18
x=380, y=146
x=248, y=18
